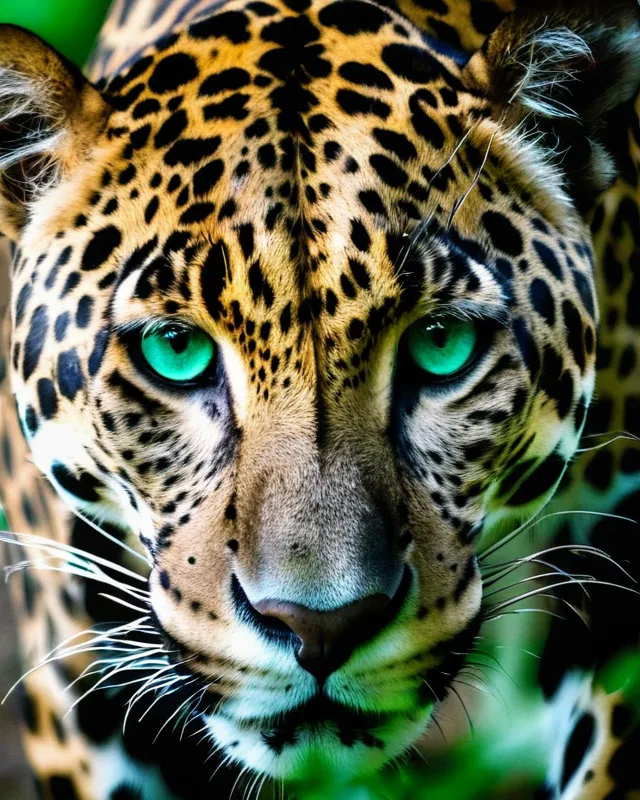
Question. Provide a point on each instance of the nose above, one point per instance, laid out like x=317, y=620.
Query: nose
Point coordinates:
x=326, y=639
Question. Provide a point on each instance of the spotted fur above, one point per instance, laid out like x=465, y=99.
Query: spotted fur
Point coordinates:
x=304, y=180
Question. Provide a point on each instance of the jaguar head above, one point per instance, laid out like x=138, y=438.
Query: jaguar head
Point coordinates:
x=307, y=306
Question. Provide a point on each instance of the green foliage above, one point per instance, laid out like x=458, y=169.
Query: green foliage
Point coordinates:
x=504, y=755
x=622, y=674
x=68, y=25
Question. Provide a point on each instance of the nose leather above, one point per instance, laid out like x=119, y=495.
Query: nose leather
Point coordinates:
x=327, y=638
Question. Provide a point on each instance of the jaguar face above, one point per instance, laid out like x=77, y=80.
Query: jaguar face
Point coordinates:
x=306, y=306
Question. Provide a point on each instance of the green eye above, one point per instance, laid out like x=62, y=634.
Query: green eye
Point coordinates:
x=442, y=345
x=176, y=352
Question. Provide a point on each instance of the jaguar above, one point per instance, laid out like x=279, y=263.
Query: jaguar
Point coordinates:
x=311, y=303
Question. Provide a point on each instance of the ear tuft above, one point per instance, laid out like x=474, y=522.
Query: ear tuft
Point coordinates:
x=48, y=114
x=547, y=63
x=559, y=68
x=31, y=129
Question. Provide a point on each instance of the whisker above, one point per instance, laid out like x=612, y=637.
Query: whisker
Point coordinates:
x=577, y=549
x=121, y=602
x=459, y=203
x=165, y=692
x=61, y=651
x=56, y=548
x=545, y=611
x=535, y=520
x=578, y=579
x=621, y=437
x=113, y=539
x=119, y=668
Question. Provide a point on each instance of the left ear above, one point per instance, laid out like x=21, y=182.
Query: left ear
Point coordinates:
x=50, y=118
x=559, y=69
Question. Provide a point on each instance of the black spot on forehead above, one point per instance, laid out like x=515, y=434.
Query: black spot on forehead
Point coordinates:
x=230, y=108
x=207, y=177
x=232, y=25
x=396, y=143
x=61, y=324
x=415, y=64
x=528, y=348
x=61, y=261
x=425, y=126
x=127, y=175
x=584, y=290
x=298, y=5
x=260, y=286
x=504, y=236
x=100, y=247
x=574, y=331
x=140, y=137
x=354, y=103
x=138, y=69
x=365, y=75
x=84, y=310
x=172, y=72
x=197, y=212
x=31, y=420
x=190, y=151
x=22, y=302
x=73, y=279
x=213, y=278
x=354, y=16
x=145, y=107
x=97, y=354
x=262, y=9
x=486, y=16
x=233, y=78
x=171, y=129
x=291, y=32
x=388, y=171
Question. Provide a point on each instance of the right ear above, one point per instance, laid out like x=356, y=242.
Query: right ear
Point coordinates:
x=560, y=70
x=49, y=117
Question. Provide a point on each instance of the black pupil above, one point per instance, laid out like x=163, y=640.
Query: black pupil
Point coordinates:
x=439, y=336
x=178, y=339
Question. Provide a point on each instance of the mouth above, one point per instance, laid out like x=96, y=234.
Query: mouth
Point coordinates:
x=319, y=716
x=286, y=725
x=325, y=739
x=319, y=739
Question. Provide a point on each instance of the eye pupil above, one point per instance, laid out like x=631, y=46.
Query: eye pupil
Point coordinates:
x=179, y=340
x=439, y=336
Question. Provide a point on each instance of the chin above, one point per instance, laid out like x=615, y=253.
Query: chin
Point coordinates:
x=365, y=715
x=319, y=740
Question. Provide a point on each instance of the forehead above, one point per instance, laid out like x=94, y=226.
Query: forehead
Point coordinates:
x=275, y=164
x=301, y=136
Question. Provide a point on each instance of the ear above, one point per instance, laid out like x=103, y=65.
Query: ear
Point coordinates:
x=49, y=116
x=562, y=71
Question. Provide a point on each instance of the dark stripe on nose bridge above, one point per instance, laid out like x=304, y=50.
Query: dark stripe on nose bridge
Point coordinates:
x=321, y=417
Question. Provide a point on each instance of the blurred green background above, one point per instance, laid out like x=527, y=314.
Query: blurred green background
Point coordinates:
x=69, y=25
